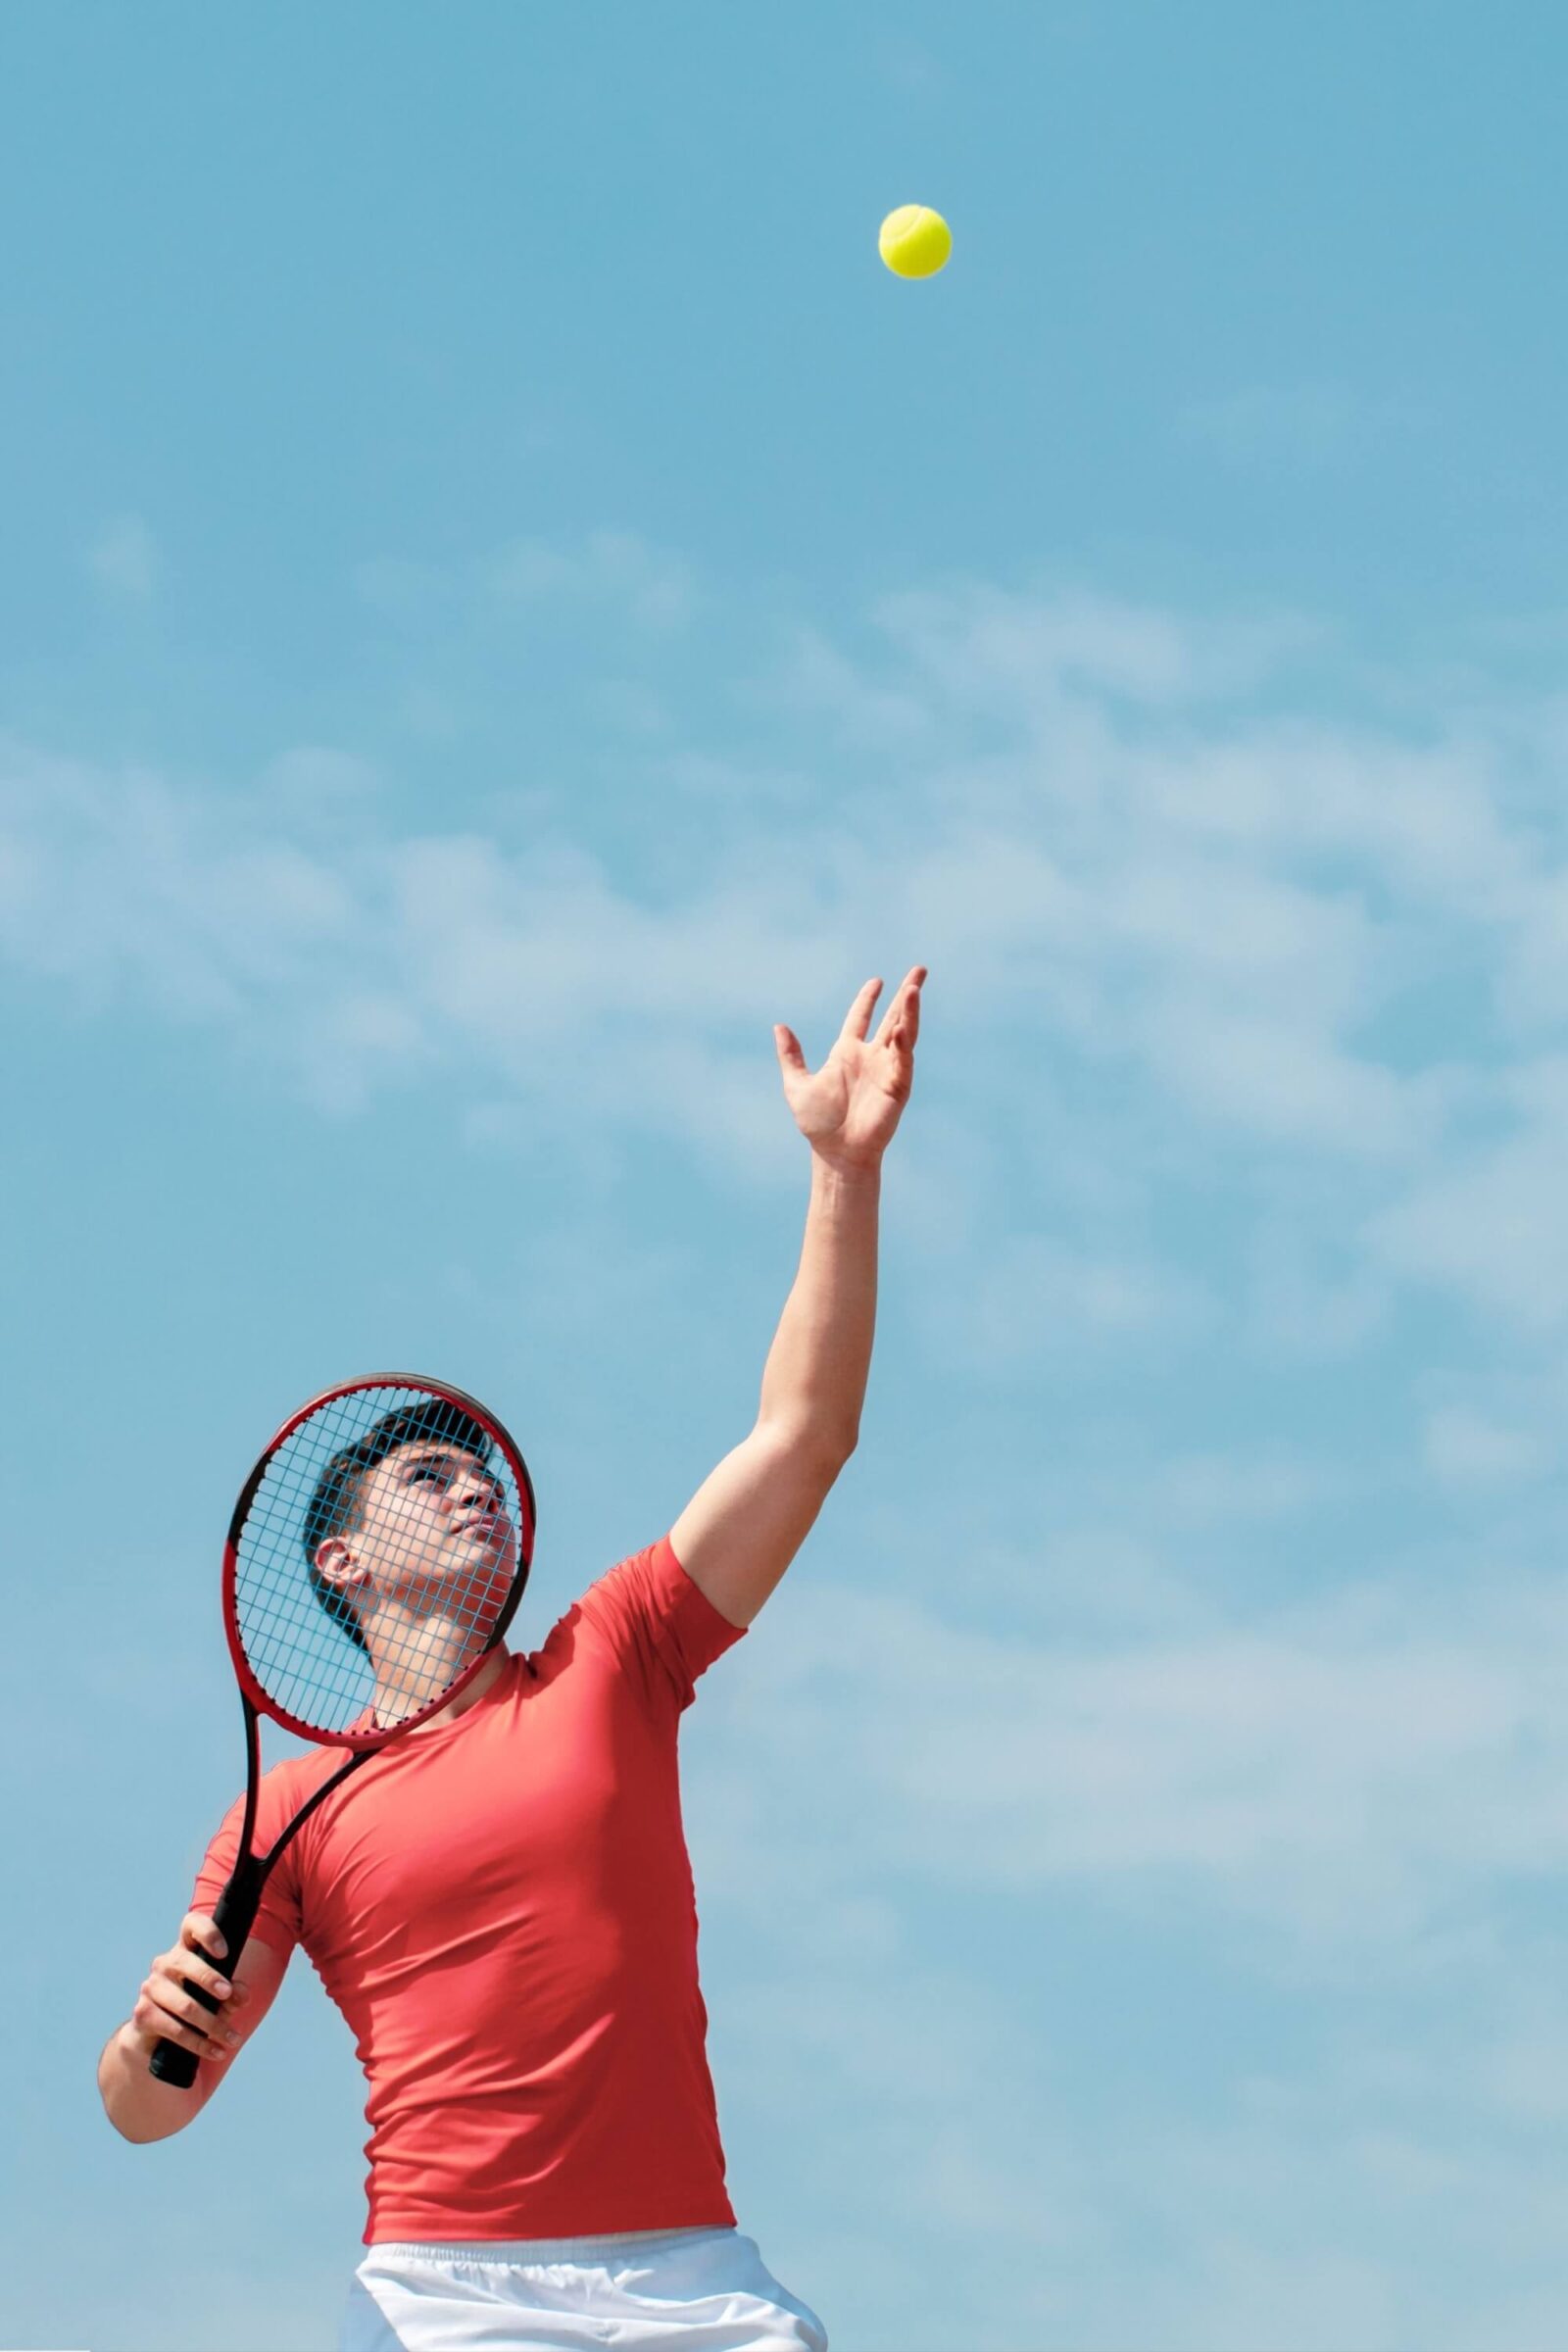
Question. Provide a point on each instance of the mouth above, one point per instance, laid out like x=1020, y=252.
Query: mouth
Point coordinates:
x=492, y=1527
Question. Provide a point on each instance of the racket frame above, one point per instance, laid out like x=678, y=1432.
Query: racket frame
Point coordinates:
x=236, y=1527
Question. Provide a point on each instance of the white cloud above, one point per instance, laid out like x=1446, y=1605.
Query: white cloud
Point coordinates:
x=1427, y=822
x=986, y=647
x=1278, y=1077
x=314, y=775
x=814, y=676
x=1305, y=423
x=630, y=709
x=1036, y=1295
x=1208, y=1487
x=1491, y=1228
x=1466, y=1449
x=911, y=69
x=602, y=571
x=1160, y=924
x=1298, y=1301
x=1335, y=1803
x=1329, y=1774
x=616, y=568
x=125, y=560
x=401, y=588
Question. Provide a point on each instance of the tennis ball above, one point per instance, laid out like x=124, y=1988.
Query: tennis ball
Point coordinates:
x=916, y=241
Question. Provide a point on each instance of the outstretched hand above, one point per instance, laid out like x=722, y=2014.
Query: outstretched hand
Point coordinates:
x=848, y=1109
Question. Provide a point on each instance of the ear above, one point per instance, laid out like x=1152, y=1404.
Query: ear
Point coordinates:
x=336, y=1565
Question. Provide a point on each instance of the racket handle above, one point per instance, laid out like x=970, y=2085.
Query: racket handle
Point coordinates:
x=233, y=1916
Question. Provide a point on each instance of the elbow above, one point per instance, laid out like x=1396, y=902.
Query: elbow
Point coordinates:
x=830, y=1449
x=118, y=2114
x=141, y=2133
x=140, y=2109
x=823, y=1444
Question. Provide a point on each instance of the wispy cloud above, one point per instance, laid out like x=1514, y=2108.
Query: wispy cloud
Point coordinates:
x=607, y=573
x=125, y=560
x=1488, y=1226
x=1328, y=1774
x=1466, y=1449
x=1035, y=1295
x=1329, y=1807
x=618, y=568
x=1150, y=907
x=1302, y=424
x=1203, y=1488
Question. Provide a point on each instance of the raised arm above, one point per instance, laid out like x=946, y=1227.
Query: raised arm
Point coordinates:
x=745, y=1524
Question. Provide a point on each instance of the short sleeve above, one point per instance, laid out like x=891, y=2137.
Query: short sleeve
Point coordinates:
x=651, y=1614
x=277, y=1921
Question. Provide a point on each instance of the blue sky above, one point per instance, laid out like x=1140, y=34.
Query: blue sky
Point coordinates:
x=502, y=600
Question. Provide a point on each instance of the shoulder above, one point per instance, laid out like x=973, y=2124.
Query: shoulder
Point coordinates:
x=291, y=1783
x=297, y=1777
x=645, y=1614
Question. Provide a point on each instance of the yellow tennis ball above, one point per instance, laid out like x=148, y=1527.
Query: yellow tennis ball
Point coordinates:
x=916, y=241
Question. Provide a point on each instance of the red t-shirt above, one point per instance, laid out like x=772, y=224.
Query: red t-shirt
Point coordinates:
x=503, y=1909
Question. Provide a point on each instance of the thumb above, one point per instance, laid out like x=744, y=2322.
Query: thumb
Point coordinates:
x=789, y=1048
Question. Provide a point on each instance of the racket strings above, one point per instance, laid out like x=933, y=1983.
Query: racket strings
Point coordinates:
x=377, y=1556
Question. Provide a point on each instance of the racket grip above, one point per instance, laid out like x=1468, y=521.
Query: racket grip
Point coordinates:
x=233, y=1916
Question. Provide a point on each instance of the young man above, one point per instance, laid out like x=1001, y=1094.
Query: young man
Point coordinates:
x=502, y=1904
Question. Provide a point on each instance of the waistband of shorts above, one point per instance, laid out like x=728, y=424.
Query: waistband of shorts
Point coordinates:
x=527, y=2250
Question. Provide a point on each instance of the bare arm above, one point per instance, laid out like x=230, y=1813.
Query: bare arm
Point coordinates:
x=740, y=1530
x=136, y=2103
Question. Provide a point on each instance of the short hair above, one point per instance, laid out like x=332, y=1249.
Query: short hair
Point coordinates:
x=337, y=1504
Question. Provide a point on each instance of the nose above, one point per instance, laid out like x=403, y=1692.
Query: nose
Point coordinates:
x=480, y=1501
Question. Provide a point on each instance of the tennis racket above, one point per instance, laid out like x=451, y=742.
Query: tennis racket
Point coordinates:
x=375, y=1558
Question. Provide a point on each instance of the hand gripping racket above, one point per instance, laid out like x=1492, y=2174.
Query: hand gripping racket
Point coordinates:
x=375, y=1556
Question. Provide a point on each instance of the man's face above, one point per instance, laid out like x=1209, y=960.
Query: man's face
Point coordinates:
x=434, y=1533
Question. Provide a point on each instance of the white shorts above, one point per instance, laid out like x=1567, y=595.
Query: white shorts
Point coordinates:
x=680, y=2290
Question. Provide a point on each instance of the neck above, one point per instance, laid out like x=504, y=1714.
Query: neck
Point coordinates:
x=468, y=1696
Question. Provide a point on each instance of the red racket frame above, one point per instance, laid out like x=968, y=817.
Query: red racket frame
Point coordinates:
x=526, y=1543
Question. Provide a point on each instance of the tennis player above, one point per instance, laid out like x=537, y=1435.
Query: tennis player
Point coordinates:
x=501, y=1903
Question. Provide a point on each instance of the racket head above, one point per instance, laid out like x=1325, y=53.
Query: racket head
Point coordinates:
x=354, y=1470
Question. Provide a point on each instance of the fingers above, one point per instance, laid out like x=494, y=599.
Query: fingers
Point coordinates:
x=902, y=1012
x=169, y=2006
x=190, y=1970
x=902, y=1020
x=198, y=1932
x=165, y=2012
x=858, y=1020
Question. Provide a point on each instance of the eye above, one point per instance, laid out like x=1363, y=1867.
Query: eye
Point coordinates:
x=425, y=1470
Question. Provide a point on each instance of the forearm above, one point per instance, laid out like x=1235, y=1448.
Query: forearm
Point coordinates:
x=816, y=1371
x=136, y=2103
